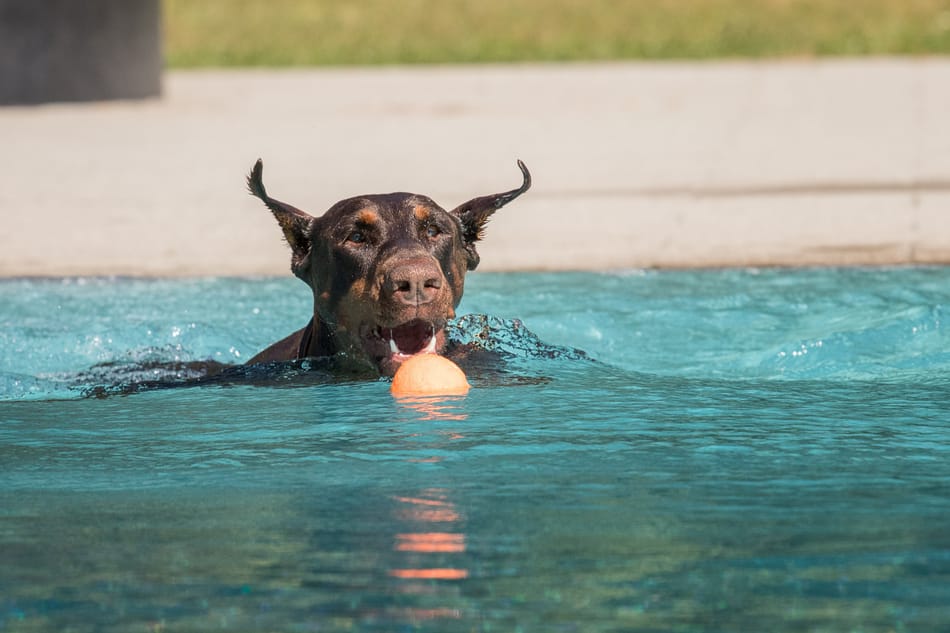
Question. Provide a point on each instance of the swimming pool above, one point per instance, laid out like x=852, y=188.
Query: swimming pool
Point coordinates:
x=747, y=450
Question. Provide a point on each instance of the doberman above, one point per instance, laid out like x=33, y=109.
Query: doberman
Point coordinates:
x=387, y=272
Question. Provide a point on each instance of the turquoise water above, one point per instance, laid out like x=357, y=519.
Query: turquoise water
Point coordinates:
x=748, y=451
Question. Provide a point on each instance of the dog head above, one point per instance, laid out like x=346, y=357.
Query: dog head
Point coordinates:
x=387, y=271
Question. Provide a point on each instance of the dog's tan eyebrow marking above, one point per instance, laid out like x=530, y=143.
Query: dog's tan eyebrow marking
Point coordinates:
x=422, y=214
x=367, y=217
x=358, y=287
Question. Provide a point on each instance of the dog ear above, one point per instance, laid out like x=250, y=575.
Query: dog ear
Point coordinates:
x=295, y=223
x=475, y=213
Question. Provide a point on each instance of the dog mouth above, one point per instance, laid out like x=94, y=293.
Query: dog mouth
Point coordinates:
x=410, y=338
x=390, y=346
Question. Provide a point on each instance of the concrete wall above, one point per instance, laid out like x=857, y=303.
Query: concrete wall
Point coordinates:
x=79, y=50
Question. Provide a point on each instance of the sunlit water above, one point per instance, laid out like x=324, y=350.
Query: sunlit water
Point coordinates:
x=747, y=451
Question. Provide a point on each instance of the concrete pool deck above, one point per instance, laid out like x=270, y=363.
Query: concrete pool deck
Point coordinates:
x=634, y=164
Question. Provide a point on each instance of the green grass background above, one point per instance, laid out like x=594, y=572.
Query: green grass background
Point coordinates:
x=336, y=32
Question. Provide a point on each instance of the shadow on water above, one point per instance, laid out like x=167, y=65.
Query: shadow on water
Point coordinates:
x=491, y=350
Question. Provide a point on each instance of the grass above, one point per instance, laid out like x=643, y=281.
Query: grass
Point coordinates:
x=340, y=32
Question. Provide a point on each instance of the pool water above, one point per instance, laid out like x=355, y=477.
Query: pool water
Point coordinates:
x=744, y=450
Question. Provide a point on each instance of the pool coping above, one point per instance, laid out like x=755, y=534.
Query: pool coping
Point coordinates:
x=635, y=165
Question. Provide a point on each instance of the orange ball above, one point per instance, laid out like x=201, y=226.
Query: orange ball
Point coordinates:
x=429, y=375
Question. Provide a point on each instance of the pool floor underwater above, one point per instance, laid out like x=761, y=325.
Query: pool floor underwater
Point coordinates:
x=743, y=450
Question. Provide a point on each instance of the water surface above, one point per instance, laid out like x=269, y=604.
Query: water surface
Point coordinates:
x=748, y=450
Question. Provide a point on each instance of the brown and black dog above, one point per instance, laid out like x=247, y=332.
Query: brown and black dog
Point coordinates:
x=387, y=272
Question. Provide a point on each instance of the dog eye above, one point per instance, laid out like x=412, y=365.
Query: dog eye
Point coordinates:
x=433, y=231
x=357, y=237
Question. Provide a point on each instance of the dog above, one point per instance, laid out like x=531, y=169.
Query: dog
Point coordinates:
x=387, y=272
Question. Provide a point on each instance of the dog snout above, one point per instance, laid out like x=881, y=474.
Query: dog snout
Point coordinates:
x=413, y=282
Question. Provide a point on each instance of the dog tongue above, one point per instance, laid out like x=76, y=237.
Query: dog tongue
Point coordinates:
x=410, y=338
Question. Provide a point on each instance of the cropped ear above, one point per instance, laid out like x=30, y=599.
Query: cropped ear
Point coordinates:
x=295, y=223
x=474, y=214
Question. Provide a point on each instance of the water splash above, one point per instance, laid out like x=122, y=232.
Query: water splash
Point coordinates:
x=877, y=324
x=508, y=337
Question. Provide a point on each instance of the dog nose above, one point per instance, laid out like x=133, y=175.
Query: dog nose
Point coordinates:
x=414, y=282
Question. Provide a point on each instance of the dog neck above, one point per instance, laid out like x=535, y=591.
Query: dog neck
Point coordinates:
x=315, y=340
